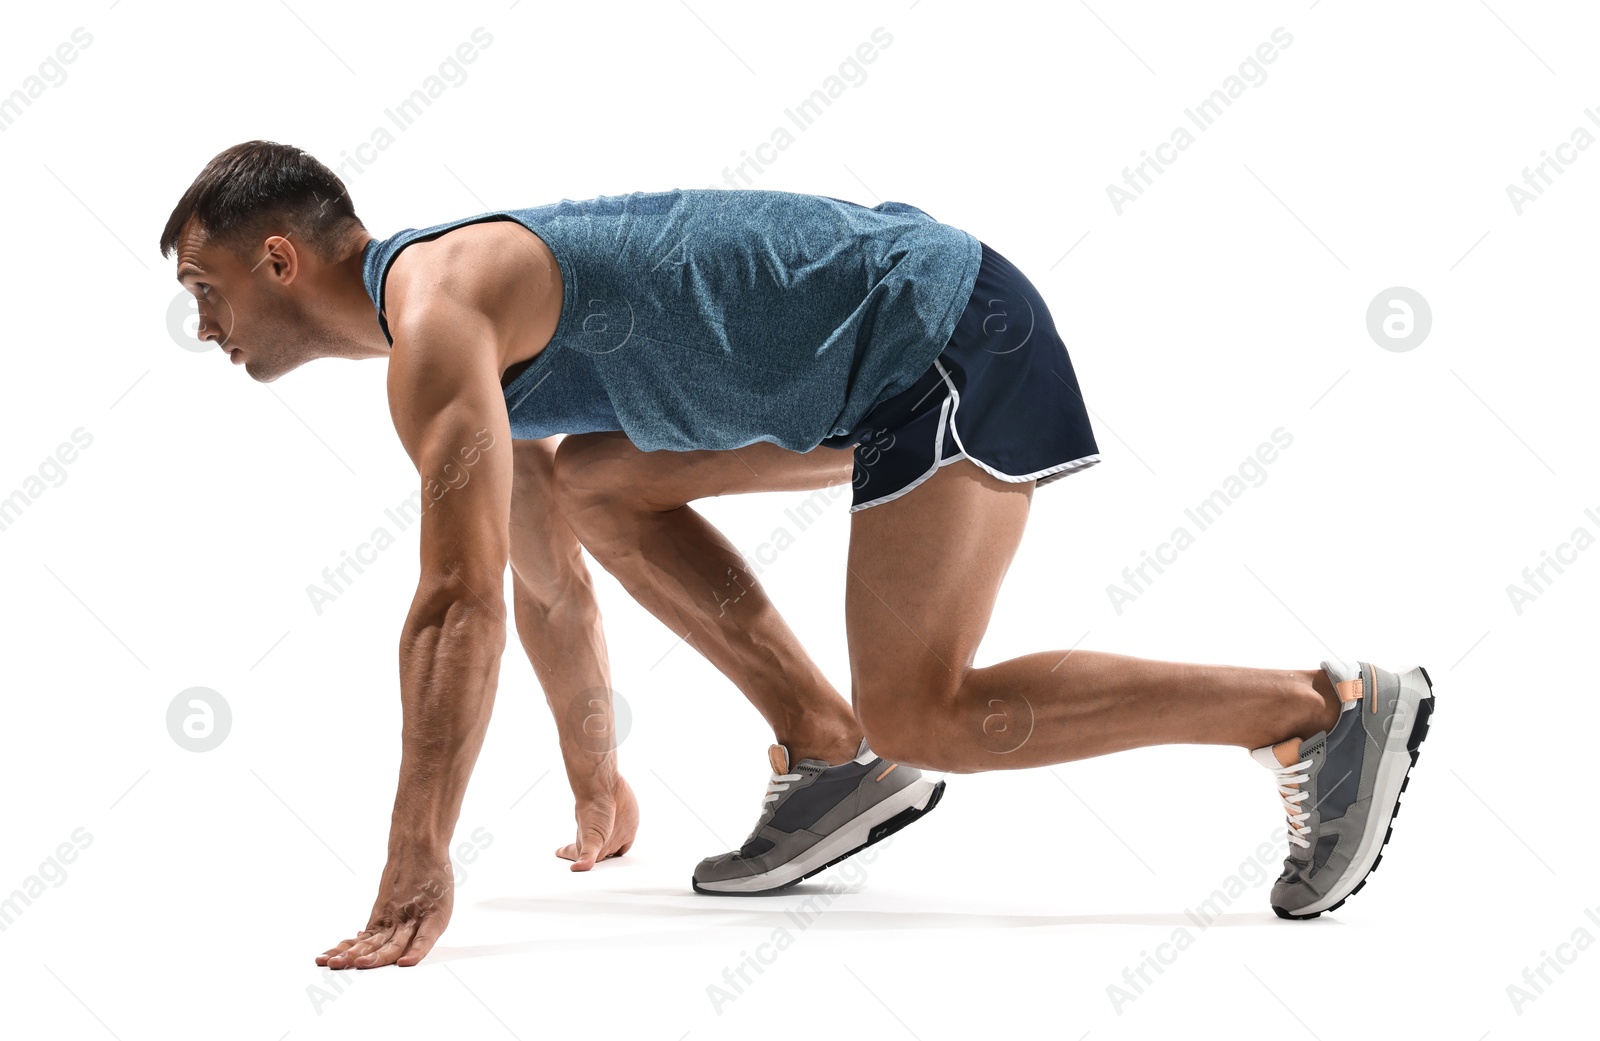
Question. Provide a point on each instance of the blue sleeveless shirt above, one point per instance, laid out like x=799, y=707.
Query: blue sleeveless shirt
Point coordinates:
x=712, y=319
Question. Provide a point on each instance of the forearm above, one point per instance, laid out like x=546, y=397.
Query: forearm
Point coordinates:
x=449, y=668
x=566, y=643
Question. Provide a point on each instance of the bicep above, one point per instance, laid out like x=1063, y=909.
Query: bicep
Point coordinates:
x=449, y=410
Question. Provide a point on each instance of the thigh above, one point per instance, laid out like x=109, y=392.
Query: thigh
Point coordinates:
x=608, y=463
x=924, y=572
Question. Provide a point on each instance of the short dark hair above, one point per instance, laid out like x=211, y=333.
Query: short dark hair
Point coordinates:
x=256, y=188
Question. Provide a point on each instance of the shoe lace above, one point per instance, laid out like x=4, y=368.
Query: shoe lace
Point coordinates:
x=1289, y=779
x=776, y=787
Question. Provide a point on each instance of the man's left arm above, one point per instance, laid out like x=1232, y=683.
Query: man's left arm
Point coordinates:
x=449, y=410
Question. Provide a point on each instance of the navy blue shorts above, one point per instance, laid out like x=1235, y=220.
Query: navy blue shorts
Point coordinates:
x=1002, y=394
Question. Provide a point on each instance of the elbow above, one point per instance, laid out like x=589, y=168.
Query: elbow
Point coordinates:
x=568, y=599
x=457, y=605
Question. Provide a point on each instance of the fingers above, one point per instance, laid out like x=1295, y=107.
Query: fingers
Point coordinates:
x=602, y=834
x=322, y=959
x=583, y=853
x=390, y=950
x=412, y=910
x=591, y=844
x=365, y=942
x=428, y=931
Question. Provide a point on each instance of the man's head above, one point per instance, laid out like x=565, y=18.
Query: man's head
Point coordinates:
x=268, y=242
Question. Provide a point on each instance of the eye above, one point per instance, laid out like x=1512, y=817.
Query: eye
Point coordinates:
x=205, y=290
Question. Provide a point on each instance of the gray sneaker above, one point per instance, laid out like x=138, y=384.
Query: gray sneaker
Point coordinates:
x=1342, y=788
x=813, y=816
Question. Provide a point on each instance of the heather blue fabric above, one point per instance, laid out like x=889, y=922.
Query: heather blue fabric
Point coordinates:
x=1002, y=393
x=710, y=319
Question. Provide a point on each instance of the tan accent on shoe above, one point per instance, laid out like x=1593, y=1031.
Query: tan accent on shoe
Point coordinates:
x=1348, y=690
x=778, y=756
x=1368, y=667
x=886, y=772
x=1287, y=752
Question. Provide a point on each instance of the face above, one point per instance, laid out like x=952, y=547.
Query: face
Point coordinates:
x=260, y=313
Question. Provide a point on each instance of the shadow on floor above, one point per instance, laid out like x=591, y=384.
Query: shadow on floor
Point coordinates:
x=802, y=908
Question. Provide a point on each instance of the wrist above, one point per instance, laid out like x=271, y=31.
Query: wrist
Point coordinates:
x=588, y=746
x=411, y=857
x=590, y=774
x=418, y=841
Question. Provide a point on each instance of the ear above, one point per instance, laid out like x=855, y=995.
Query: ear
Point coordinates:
x=279, y=257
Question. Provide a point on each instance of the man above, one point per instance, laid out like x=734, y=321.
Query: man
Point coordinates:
x=694, y=343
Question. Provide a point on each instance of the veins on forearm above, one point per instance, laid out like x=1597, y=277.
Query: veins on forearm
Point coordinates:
x=448, y=670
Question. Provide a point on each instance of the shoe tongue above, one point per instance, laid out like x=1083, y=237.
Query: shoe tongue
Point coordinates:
x=1287, y=752
x=778, y=756
x=1281, y=754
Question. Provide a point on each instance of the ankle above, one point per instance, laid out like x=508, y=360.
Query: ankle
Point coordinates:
x=1322, y=705
x=832, y=743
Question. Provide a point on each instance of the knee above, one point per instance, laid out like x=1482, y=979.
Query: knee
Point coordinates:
x=591, y=475
x=905, y=723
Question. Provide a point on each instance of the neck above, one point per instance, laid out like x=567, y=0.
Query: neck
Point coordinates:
x=353, y=315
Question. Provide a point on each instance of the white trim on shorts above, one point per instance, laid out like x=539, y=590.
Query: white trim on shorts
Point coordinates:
x=947, y=415
x=938, y=449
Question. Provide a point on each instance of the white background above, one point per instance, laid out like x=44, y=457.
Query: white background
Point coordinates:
x=1227, y=301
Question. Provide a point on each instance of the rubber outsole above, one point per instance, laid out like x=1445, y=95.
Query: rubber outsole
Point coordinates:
x=1419, y=730
x=876, y=835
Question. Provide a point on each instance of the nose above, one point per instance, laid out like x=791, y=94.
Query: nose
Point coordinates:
x=208, y=330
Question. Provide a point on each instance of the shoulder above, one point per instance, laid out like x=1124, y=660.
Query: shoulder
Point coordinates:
x=472, y=271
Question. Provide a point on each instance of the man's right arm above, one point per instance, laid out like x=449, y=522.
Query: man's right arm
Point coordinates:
x=558, y=622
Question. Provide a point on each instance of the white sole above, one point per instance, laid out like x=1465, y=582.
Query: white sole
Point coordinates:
x=847, y=839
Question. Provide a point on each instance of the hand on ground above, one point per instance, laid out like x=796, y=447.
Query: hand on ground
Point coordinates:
x=607, y=822
x=412, y=910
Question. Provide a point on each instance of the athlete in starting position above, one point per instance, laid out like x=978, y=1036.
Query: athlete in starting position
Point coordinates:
x=698, y=343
